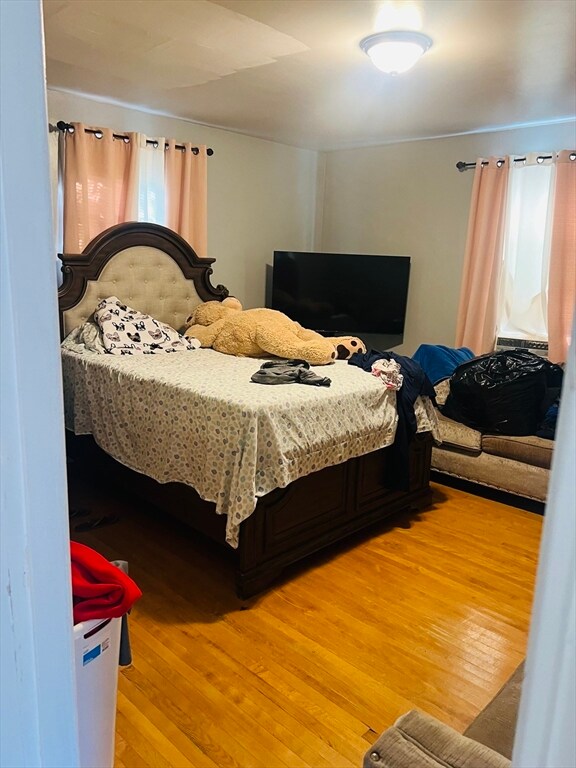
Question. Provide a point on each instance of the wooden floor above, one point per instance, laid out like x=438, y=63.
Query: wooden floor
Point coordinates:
x=431, y=612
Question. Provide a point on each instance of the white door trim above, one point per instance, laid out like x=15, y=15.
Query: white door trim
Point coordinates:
x=38, y=700
x=545, y=736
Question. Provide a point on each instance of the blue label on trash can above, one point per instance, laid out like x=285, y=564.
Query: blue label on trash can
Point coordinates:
x=92, y=654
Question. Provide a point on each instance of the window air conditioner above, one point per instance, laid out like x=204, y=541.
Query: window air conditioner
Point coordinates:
x=537, y=347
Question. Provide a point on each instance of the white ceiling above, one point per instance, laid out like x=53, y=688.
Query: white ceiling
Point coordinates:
x=291, y=70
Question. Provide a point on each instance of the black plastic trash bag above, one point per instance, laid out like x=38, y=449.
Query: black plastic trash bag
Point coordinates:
x=503, y=392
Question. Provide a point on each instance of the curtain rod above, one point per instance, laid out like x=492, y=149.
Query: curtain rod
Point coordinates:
x=462, y=166
x=62, y=126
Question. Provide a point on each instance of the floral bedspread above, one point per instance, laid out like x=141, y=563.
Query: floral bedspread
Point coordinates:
x=196, y=418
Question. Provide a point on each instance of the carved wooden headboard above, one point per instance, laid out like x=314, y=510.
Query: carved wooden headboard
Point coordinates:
x=147, y=266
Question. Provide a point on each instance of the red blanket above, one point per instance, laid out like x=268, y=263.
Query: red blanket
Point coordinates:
x=100, y=590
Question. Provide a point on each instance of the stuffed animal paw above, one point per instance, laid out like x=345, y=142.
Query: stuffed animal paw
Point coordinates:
x=346, y=346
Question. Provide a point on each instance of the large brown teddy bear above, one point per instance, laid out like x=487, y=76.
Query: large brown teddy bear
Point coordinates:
x=226, y=327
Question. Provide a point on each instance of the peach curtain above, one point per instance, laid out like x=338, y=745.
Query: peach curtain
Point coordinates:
x=100, y=184
x=186, y=193
x=477, y=310
x=562, y=276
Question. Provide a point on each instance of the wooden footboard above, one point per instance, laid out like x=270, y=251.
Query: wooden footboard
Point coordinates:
x=320, y=509
x=290, y=523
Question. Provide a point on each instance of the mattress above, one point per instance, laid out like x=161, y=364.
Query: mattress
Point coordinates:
x=195, y=417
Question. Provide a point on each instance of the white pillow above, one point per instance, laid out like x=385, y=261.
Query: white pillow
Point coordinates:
x=125, y=331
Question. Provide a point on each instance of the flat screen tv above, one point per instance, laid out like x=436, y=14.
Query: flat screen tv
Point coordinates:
x=341, y=294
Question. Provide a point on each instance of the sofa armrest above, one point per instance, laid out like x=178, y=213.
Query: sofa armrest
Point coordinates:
x=417, y=740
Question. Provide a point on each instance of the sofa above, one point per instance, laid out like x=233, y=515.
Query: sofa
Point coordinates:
x=417, y=740
x=517, y=465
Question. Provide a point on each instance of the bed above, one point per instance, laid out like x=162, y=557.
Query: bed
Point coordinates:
x=276, y=473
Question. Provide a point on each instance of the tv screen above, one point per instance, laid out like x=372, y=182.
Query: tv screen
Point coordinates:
x=342, y=294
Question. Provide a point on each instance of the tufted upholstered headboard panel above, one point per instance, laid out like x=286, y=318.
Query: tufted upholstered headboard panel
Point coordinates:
x=147, y=266
x=146, y=279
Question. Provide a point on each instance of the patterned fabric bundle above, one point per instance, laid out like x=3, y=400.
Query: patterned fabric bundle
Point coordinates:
x=389, y=372
x=125, y=331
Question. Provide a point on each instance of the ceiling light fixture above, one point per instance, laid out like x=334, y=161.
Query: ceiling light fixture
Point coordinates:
x=395, y=51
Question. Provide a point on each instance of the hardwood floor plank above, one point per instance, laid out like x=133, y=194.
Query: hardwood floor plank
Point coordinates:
x=206, y=731
x=260, y=699
x=335, y=680
x=430, y=612
x=394, y=674
x=218, y=694
x=182, y=738
x=147, y=754
x=139, y=727
x=412, y=598
x=126, y=756
x=415, y=648
x=218, y=632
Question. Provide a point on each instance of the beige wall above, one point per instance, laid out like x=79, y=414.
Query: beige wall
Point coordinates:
x=409, y=199
x=405, y=198
x=261, y=195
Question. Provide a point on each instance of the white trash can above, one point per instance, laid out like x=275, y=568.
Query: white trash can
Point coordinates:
x=96, y=653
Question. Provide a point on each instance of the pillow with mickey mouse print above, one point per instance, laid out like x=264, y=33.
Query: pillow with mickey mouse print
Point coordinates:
x=125, y=331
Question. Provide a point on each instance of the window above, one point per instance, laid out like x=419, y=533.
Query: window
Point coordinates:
x=108, y=178
x=519, y=277
x=151, y=183
x=523, y=296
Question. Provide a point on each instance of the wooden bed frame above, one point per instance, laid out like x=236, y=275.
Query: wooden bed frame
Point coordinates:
x=289, y=523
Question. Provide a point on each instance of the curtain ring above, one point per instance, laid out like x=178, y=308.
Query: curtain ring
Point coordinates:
x=195, y=150
x=98, y=134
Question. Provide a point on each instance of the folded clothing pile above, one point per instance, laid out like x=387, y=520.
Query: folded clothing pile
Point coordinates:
x=100, y=589
x=288, y=372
